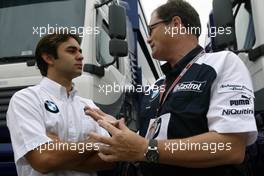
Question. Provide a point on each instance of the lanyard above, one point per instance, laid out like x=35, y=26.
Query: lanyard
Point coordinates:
x=154, y=126
x=188, y=66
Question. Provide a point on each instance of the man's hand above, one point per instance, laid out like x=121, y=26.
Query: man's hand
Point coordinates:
x=97, y=114
x=124, y=145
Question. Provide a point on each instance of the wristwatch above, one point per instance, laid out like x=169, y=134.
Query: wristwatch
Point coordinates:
x=152, y=153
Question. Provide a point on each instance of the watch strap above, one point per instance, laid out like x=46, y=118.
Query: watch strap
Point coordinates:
x=153, y=144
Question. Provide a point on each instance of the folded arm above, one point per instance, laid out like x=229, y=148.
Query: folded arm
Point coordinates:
x=58, y=156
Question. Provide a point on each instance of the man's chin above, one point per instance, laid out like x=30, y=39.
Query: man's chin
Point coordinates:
x=77, y=74
x=154, y=55
x=157, y=57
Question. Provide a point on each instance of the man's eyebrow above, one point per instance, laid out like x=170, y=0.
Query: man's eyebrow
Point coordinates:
x=74, y=48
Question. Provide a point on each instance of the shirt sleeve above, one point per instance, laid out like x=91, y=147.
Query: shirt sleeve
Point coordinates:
x=25, y=123
x=231, y=108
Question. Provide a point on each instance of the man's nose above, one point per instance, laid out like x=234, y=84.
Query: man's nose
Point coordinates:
x=80, y=56
x=149, y=39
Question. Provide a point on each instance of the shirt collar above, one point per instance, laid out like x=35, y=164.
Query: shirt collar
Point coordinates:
x=167, y=70
x=56, y=89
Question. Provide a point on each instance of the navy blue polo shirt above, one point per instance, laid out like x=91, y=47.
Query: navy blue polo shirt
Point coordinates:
x=213, y=95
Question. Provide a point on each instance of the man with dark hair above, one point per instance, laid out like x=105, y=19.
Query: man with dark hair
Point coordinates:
x=47, y=123
x=203, y=120
x=189, y=17
x=49, y=45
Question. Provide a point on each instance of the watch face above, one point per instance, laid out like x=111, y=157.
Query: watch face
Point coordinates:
x=152, y=156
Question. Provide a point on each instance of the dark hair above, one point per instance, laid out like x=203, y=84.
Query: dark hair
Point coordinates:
x=49, y=44
x=181, y=8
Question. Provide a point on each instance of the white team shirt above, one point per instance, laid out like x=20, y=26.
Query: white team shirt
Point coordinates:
x=231, y=107
x=46, y=108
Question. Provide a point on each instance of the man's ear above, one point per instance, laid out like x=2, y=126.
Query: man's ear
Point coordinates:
x=176, y=21
x=48, y=58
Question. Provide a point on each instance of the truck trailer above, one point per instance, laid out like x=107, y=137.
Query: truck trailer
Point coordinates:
x=117, y=59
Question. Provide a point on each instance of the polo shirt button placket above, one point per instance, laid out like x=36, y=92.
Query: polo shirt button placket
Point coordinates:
x=72, y=129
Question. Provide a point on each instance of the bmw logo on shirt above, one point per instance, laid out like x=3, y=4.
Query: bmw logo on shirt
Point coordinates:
x=51, y=107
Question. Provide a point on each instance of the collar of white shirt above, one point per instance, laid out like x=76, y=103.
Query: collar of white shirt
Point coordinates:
x=56, y=89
